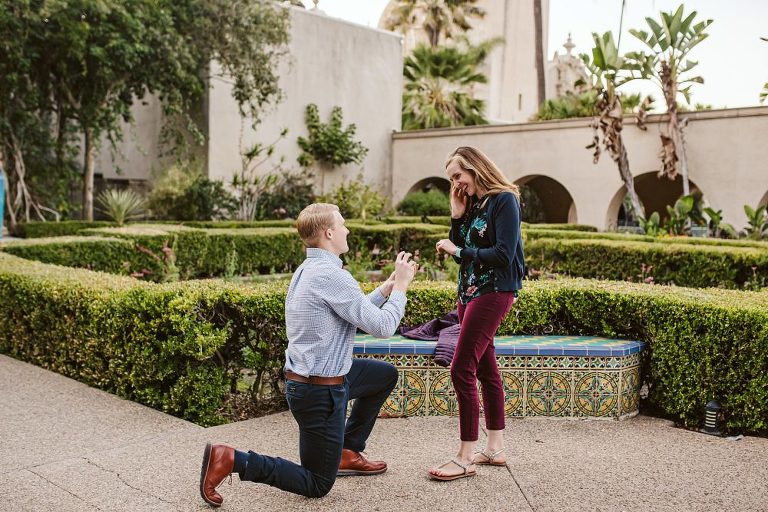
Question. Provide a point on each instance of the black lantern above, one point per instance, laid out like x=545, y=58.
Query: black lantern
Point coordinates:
x=712, y=419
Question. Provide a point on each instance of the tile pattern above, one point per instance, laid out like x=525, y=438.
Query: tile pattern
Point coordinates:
x=562, y=385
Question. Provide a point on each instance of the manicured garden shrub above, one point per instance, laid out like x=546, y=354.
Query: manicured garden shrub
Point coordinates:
x=432, y=202
x=113, y=255
x=534, y=233
x=681, y=264
x=63, y=228
x=560, y=227
x=180, y=347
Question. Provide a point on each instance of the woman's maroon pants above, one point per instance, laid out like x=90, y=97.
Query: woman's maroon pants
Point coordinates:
x=475, y=359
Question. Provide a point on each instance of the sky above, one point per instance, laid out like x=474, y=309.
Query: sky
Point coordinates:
x=733, y=61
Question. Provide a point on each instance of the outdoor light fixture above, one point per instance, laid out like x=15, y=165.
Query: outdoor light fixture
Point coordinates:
x=712, y=419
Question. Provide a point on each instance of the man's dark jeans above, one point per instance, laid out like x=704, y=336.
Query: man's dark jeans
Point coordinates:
x=320, y=412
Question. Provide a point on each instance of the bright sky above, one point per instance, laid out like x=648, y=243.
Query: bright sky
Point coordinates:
x=733, y=60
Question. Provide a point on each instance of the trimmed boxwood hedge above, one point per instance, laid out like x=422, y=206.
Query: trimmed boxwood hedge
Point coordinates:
x=681, y=264
x=532, y=234
x=242, y=251
x=560, y=227
x=113, y=255
x=179, y=347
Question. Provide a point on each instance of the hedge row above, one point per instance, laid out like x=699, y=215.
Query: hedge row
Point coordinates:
x=531, y=234
x=679, y=264
x=180, y=348
x=74, y=227
x=113, y=255
x=243, y=251
x=211, y=252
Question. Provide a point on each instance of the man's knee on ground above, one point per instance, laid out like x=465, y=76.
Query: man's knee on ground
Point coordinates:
x=321, y=488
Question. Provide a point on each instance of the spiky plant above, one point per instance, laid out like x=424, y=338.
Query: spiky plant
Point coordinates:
x=120, y=205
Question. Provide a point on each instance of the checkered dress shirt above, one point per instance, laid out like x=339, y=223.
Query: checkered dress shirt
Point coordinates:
x=323, y=309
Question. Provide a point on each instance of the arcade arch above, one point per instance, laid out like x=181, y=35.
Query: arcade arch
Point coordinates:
x=552, y=200
x=655, y=195
x=431, y=183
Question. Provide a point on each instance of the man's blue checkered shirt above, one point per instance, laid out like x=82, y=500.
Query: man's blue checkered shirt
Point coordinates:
x=323, y=309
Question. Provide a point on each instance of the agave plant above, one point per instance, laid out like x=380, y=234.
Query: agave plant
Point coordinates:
x=120, y=205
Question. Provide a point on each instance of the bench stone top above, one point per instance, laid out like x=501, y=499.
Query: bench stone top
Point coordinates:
x=589, y=346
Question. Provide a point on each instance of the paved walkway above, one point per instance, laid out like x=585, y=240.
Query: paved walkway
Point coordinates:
x=67, y=447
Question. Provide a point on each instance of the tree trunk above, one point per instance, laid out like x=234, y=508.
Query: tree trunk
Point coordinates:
x=669, y=85
x=88, y=176
x=539, y=30
x=677, y=135
x=628, y=179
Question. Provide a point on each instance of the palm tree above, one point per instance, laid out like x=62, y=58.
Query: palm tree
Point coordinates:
x=440, y=19
x=438, y=87
x=608, y=71
x=670, y=42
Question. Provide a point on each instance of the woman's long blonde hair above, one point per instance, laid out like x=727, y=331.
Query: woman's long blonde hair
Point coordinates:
x=487, y=176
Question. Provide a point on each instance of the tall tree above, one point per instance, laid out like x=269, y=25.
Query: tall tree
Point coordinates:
x=24, y=107
x=100, y=56
x=608, y=71
x=670, y=40
x=438, y=86
x=539, y=52
x=440, y=19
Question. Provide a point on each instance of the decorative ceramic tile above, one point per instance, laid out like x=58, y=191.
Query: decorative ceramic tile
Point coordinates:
x=544, y=383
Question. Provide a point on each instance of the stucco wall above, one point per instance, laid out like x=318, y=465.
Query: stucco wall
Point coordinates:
x=728, y=159
x=332, y=62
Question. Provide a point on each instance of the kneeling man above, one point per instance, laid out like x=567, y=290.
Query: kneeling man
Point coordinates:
x=323, y=308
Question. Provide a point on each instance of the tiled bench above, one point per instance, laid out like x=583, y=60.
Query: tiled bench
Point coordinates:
x=563, y=376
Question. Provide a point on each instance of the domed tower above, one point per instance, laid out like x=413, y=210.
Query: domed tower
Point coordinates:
x=511, y=92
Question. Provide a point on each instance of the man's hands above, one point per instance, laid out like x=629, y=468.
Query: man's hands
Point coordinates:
x=405, y=270
x=446, y=246
x=458, y=202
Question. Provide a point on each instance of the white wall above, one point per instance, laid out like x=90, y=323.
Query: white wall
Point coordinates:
x=332, y=62
x=728, y=158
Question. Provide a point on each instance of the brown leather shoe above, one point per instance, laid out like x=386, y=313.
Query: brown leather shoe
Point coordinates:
x=218, y=463
x=353, y=463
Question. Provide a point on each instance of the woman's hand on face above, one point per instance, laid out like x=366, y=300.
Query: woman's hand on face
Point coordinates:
x=458, y=202
x=446, y=246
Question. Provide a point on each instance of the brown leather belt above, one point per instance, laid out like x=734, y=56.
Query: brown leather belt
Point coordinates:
x=313, y=379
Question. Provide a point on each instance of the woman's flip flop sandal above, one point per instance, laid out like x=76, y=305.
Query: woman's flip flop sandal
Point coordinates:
x=447, y=478
x=490, y=459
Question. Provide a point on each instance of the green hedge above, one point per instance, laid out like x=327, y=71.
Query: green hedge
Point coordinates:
x=679, y=264
x=180, y=348
x=63, y=228
x=560, y=227
x=217, y=252
x=531, y=234
x=113, y=255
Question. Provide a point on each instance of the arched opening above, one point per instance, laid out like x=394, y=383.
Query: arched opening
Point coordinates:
x=655, y=195
x=544, y=199
x=431, y=183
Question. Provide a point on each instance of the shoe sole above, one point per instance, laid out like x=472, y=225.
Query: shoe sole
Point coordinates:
x=354, y=472
x=453, y=477
x=203, y=472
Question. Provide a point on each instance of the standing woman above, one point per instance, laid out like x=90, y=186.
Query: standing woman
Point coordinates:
x=485, y=240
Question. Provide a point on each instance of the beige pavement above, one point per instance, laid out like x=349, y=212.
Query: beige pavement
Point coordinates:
x=68, y=447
